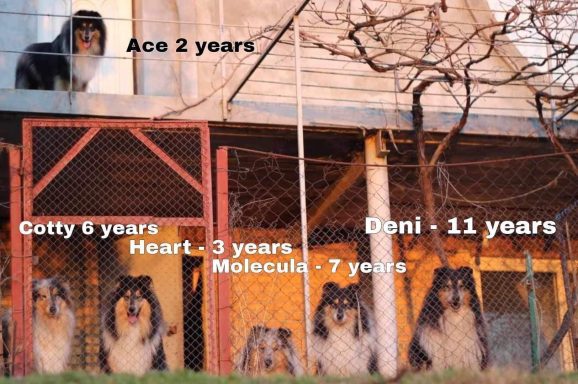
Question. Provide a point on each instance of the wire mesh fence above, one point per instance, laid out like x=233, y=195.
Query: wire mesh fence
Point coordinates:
x=90, y=292
x=368, y=295
x=382, y=301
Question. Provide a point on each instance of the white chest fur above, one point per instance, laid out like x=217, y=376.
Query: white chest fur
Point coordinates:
x=83, y=70
x=52, y=343
x=129, y=354
x=342, y=354
x=456, y=344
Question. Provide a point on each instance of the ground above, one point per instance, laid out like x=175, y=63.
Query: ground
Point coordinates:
x=449, y=377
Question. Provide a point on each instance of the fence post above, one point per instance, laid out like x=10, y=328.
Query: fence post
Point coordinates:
x=223, y=280
x=302, y=194
x=535, y=339
x=16, y=264
x=381, y=247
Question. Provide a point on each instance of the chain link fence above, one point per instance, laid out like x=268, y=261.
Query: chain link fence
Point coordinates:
x=354, y=313
x=354, y=303
x=97, y=306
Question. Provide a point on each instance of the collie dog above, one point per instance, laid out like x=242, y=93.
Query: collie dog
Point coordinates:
x=450, y=332
x=53, y=324
x=343, y=333
x=133, y=329
x=50, y=68
x=269, y=351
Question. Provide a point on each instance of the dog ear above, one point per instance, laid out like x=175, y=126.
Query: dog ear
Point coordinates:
x=441, y=275
x=284, y=336
x=329, y=288
x=59, y=282
x=353, y=287
x=121, y=281
x=466, y=271
x=256, y=331
x=441, y=272
x=285, y=333
x=146, y=280
x=35, y=284
x=467, y=274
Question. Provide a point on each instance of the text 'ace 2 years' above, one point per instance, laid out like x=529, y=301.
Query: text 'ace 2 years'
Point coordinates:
x=182, y=45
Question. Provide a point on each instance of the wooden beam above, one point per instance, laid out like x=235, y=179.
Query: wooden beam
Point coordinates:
x=318, y=214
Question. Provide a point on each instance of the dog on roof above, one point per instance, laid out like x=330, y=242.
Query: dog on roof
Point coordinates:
x=47, y=66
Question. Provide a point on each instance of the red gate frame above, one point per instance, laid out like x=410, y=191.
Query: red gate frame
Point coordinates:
x=223, y=280
x=22, y=245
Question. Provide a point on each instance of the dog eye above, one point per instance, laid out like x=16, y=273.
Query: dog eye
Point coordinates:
x=43, y=297
x=91, y=28
x=127, y=297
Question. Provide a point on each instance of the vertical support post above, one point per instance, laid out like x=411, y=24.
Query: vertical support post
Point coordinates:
x=212, y=338
x=224, y=104
x=302, y=194
x=568, y=290
x=535, y=335
x=26, y=274
x=381, y=247
x=16, y=262
x=70, y=57
x=223, y=280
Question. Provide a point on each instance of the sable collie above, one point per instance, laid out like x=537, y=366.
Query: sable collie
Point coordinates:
x=450, y=332
x=133, y=329
x=52, y=71
x=52, y=325
x=343, y=334
x=269, y=351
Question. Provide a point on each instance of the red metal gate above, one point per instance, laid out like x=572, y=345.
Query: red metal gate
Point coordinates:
x=108, y=172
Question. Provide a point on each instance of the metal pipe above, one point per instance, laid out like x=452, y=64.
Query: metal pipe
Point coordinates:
x=302, y=194
x=70, y=64
x=381, y=246
x=224, y=110
x=268, y=49
x=535, y=332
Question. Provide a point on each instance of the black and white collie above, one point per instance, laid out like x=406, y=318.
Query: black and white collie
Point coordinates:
x=50, y=68
x=133, y=329
x=269, y=351
x=450, y=332
x=53, y=324
x=344, y=340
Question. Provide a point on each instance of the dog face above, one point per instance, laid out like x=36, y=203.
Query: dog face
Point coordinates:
x=340, y=304
x=454, y=287
x=268, y=350
x=89, y=32
x=133, y=301
x=51, y=297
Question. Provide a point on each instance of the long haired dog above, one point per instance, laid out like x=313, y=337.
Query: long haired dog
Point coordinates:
x=450, y=332
x=343, y=334
x=269, y=351
x=53, y=324
x=133, y=329
x=50, y=68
